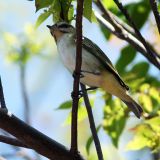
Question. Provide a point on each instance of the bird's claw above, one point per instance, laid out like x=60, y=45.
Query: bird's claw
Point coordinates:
x=75, y=74
x=80, y=95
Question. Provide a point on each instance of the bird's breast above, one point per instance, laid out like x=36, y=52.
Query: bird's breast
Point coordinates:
x=90, y=65
x=67, y=54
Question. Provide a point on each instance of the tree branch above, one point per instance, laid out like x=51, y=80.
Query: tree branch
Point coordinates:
x=110, y=20
x=24, y=93
x=2, y=100
x=92, y=123
x=76, y=74
x=34, y=139
x=12, y=141
x=126, y=14
x=156, y=13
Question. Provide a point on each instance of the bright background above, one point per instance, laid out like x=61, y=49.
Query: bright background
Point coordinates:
x=49, y=83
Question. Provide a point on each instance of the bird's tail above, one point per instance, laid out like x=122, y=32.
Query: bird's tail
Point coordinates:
x=134, y=106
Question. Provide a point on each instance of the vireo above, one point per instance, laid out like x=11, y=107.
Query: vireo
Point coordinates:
x=97, y=70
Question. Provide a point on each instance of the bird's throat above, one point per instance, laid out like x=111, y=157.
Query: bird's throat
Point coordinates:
x=57, y=35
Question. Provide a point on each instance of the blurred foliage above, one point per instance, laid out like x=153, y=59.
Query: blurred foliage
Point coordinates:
x=61, y=10
x=115, y=116
x=82, y=112
x=21, y=48
x=144, y=87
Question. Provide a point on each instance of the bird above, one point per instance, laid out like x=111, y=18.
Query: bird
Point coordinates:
x=97, y=70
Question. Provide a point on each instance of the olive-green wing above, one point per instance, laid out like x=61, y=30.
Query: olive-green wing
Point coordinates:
x=100, y=55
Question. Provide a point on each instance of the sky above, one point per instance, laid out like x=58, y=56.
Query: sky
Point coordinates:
x=49, y=83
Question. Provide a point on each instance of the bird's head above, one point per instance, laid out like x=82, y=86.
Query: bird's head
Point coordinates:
x=59, y=29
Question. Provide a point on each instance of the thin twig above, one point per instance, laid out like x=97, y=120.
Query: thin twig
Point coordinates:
x=126, y=14
x=92, y=123
x=12, y=141
x=2, y=100
x=125, y=33
x=76, y=74
x=156, y=13
x=24, y=93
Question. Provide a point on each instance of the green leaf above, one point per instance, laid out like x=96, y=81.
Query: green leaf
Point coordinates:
x=144, y=137
x=87, y=12
x=109, y=4
x=67, y=10
x=82, y=114
x=139, y=142
x=128, y=54
x=42, y=18
x=105, y=31
x=93, y=17
x=154, y=123
x=139, y=12
x=146, y=102
x=140, y=69
x=71, y=13
x=56, y=11
x=155, y=94
x=90, y=140
x=42, y=4
x=114, y=119
x=65, y=105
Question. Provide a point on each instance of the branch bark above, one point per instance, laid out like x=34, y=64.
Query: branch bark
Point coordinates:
x=76, y=74
x=24, y=93
x=92, y=123
x=34, y=139
x=139, y=35
x=12, y=141
x=2, y=100
x=156, y=13
x=109, y=20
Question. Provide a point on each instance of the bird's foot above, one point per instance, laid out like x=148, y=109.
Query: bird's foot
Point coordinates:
x=73, y=95
x=91, y=88
x=75, y=74
x=88, y=89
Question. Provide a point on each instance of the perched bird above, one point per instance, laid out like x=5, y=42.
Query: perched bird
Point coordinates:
x=97, y=70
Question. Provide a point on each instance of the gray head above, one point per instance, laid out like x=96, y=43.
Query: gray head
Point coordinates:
x=62, y=27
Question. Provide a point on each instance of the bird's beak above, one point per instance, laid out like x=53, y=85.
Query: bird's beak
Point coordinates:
x=49, y=26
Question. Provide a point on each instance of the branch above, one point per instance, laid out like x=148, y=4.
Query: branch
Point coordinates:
x=34, y=139
x=24, y=93
x=126, y=14
x=12, y=141
x=123, y=32
x=76, y=74
x=92, y=123
x=156, y=13
x=2, y=100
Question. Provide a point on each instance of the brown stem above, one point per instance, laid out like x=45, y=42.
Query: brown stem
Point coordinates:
x=12, y=141
x=126, y=14
x=92, y=123
x=2, y=100
x=34, y=139
x=109, y=20
x=156, y=13
x=74, y=144
x=24, y=93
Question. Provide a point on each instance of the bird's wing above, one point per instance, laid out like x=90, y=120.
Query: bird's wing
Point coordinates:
x=100, y=55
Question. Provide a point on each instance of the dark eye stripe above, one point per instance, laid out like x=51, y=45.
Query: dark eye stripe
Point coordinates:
x=63, y=26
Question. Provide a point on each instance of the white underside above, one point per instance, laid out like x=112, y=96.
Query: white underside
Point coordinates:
x=89, y=62
x=105, y=80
